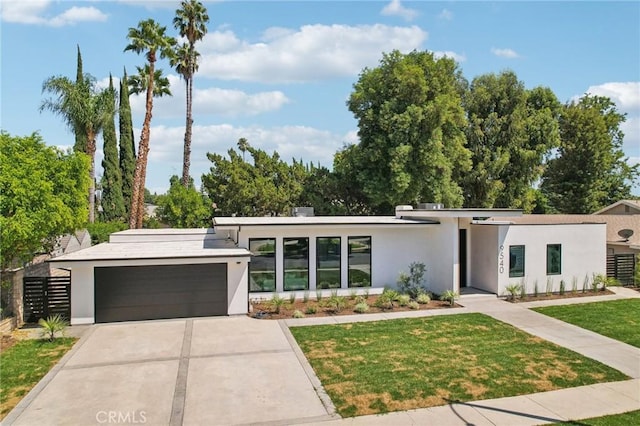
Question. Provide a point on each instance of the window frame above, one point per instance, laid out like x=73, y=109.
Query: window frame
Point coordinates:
x=275, y=263
x=318, y=268
x=284, y=261
x=517, y=274
x=349, y=238
x=559, y=247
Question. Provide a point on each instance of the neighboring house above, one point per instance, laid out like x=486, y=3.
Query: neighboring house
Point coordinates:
x=621, y=207
x=65, y=244
x=172, y=273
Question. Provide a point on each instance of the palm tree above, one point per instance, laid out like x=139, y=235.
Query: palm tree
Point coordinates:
x=148, y=38
x=190, y=21
x=243, y=145
x=84, y=108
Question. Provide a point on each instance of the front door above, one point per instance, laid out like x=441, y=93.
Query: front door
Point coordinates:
x=462, y=256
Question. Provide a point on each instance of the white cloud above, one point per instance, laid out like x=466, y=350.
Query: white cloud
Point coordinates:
x=213, y=100
x=33, y=12
x=396, y=9
x=449, y=54
x=626, y=95
x=311, y=53
x=505, y=53
x=152, y=4
x=445, y=15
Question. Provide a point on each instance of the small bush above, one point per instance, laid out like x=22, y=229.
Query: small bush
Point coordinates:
x=574, y=285
x=404, y=299
x=353, y=294
x=52, y=325
x=305, y=297
x=391, y=293
x=276, y=303
x=523, y=289
x=449, y=296
x=561, y=287
x=311, y=309
x=413, y=305
x=585, y=284
x=597, y=281
x=318, y=295
x=361, y=307
x=413, y=282
x=549, y=288
x=292, y=298
x=359, y=299
x=334, y=303
x=298, y=314
x=423, y=298
x=535, y=288
x=512, y=291
x=384, y=301
x=366, y=293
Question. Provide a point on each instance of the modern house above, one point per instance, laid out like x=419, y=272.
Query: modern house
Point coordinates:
x=172, y=273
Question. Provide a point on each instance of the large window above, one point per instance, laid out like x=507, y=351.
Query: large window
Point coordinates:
x=262, y=269
x=359, y=261
x=516, y=261
x=554, y=259
x=328, y=262
x=296, y=264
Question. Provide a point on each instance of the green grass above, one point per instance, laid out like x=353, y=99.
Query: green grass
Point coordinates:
x=618, y=319
x=24, y=364
x=624, y=419
x=377, y=367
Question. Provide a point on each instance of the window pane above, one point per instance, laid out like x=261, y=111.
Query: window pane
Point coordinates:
x=328, y=262
x=262, y=269
x=554, y=259
x=296, y=264
x=359, y=261
x=516, y=261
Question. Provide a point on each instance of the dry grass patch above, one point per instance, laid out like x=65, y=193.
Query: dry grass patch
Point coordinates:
x=422, y=362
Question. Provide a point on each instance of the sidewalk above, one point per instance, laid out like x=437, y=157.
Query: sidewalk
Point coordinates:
x=540, y=408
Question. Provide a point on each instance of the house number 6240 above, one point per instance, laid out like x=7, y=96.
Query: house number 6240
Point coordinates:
x=501, y=259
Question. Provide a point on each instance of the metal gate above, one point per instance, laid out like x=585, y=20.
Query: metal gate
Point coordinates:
x=45, y=296
x=621, y=267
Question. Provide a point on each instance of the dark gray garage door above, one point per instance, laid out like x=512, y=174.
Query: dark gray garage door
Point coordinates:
x=128, y=293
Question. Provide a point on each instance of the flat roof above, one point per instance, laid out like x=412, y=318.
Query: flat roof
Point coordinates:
x=435, y=213
x=317, y=220
x=152, y=250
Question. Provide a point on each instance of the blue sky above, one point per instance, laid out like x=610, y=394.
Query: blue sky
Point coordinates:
x=279, y=73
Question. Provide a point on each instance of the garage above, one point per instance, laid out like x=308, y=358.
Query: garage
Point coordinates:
x=129, y=293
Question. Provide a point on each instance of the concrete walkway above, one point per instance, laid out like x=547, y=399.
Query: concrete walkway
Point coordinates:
x=535, y=409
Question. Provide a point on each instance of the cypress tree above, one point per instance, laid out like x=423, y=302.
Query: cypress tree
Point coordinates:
x=81, y=137
x=112, y=201
x=127, y=144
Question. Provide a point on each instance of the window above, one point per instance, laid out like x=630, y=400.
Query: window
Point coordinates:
x=328, y=262
x=554, y=259
x=359, y=261
x=516, y=261
x=262, y=269
x=296, y=264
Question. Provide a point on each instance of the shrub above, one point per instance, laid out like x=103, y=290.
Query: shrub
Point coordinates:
x=292, y=297
x=52, y=325
x=353, y=294
x=276, y=303
x=335, y=303
x=359, y=299
x=366, y=293
x=549, y=288
x=404, y=299
x=512, y=291
x=413, y=282
x=535, y=288
x=391, y=293
x=361, y=307
x=305, y=297
x=574, y=285
x=318, y=295
x=384, y=301
x=585, y=283
x=413, y=305
x=298, y=314
x=597, y=281
x=523, y=289
x=561, y=287
x=423, y=298
x=311, y=309
x=449, y=296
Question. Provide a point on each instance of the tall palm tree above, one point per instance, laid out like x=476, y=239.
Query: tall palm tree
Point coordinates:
x=191, y=22
x=84, y=108
x=148, y=38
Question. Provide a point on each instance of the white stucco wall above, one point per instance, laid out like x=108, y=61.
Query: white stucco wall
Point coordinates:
x=82, y=282
x=393, y=248
x=583, y=254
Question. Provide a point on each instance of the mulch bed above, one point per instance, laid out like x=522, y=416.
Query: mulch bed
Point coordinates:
x=263, y=310
x=566, y=295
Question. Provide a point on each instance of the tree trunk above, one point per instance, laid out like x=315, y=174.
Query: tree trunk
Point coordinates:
x=91, y=150
x=137, y=198
x=186, y=160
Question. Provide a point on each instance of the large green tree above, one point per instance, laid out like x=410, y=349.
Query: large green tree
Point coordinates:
x=191, y=22
x=150, y=39
x=590, y=170
x=112, y=201
x=184, y=207
x=127, y=144
x=510, y=131
x=410, y=124
x=84, y=108
x=42, y=196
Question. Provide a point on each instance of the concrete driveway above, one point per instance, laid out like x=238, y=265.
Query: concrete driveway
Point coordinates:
x=217, y=371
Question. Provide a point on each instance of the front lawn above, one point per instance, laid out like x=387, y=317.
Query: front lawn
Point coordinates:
x=377, y=367
x=618, y=319
x=624, y=419
x=24, y=364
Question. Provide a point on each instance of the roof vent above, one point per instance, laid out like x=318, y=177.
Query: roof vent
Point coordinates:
x=430, y=206
x=302, y=212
